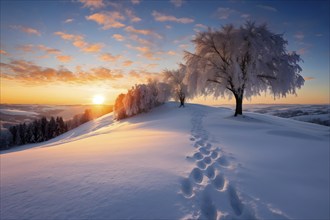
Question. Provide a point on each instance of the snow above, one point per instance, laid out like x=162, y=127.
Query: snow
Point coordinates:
x=16, y=112
x=171, y=163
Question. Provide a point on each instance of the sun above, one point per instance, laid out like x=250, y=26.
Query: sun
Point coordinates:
x=98, y=99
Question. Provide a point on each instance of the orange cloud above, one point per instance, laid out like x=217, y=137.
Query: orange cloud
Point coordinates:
x=152, y=65
x=134, y=74
x=27, y=30
x=30, y=73
x=64, y=58
x=26, y=48
x=79, y=42
x=107, y=19
x=118, y=37
x=109, y=57
x=139, y=40
x=92, y=48
x=127, y=63
x=145, y=52
x=66, y=36
x=132, y=16
x=3, y=52
x=131, y=29
x=171, y=52
x=48, y=50
x=162, y=18
x=309, y=78
x=93, y=4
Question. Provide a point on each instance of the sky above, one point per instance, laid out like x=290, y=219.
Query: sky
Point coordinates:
x=66, y=52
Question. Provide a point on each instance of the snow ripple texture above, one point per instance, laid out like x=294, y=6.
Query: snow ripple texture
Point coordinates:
x=206, y=186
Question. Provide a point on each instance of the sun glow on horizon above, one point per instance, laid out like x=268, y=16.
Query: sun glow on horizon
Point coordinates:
x=98, y=99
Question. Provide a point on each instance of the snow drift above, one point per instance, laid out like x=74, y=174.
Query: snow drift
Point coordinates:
x=194, y=162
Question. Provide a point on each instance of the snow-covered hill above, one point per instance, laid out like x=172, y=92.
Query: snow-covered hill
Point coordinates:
x=171, y=163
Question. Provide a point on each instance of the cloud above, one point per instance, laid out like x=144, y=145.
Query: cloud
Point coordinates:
x=118, y=37
x=145, y=52
x=267, y=7
x=299, y=36
x=108, y=57
x=63, y=58
x=163, y=18
x=27, y=30
x=168, y=26
x=309, y=78
x=3, y=52
x=127, y=63
x=132, y=16
x=79, y=42
x=26, y=48
x=69, y=20
x=140, y=40
x=224, y=13
x=132, y=30
x=152, y=65
x=66, y=36
x=48, y=50
x=201, y=26
x=177, y=3
x=30, y=73
x=171, y=52
x=107, y=19
x=319, y=35
x=136, y=2
x=134, y=74
x=93, y=4
x=183, y=46
x=92, y=48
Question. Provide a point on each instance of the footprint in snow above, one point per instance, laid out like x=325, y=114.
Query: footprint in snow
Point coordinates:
x=207, y=160
x=201, y=165
x=204, y=151
x=219, y=182
x=223, y=161
x=214, y=155
x=197, y=175
x=198, y=156
x=208, y=209
x=186, y=188
x=210, y=172
x=235, y=202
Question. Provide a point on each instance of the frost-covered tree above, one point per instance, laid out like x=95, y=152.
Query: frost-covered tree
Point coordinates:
x=242, y=62
x=141, y=98
x=175, y=78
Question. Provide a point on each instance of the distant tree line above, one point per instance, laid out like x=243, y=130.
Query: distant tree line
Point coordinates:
x=44, y=129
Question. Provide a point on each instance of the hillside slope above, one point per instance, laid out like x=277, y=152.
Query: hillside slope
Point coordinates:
x=196, y=162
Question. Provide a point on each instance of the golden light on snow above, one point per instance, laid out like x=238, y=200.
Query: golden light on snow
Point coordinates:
x=98, y=99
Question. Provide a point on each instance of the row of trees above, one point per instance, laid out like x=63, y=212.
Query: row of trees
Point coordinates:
x=141, y=98
x=37, y=131
x=42, y=129
x=235, y=62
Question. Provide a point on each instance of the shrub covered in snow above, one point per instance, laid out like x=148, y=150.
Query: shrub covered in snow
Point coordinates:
x=141, y=98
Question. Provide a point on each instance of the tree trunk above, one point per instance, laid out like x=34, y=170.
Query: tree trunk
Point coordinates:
x=239, y=105
x=181, y=102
